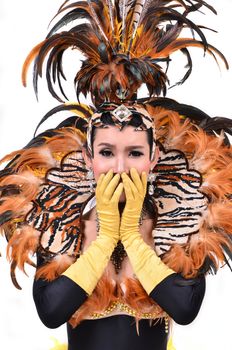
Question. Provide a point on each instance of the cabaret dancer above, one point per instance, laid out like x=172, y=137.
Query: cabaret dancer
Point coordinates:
x=122, y=203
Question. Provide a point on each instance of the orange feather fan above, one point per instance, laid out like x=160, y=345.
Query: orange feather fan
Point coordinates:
x=212, y=158
x=20, y=182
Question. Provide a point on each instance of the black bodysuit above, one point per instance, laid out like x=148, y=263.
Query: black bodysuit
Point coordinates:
x=56, y=301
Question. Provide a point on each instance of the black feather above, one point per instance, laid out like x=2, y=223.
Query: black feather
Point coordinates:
x=189, y=67
x=174, y=15
x=9, y=190
x=103, y=52
x=71, y=16
x=62, y=108
x=211, y=125
x=5, y=217
x=5, y=172
x=12, y=274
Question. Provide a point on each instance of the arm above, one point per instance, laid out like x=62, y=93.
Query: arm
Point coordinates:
x=180, y=298
x=56, y=301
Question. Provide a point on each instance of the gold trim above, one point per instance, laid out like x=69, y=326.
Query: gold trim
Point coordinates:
x=122, y=307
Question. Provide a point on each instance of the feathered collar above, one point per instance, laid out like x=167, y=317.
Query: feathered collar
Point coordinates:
x=44, y=189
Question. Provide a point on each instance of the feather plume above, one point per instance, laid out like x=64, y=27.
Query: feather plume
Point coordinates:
x=124, y=8
x=136, y=19
x=145, y=9
x=124, y=43
x=81, y=110
x=21, y=247
x=96, y=19
x=111, y=14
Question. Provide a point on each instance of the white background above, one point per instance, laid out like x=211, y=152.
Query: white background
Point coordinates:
x=23, y=24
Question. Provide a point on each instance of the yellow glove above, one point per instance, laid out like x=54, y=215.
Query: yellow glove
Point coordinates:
x=88, y=269
x=147, y=266
x=108, y=192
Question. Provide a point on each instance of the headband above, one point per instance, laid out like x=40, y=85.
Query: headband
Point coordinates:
x=121, y=116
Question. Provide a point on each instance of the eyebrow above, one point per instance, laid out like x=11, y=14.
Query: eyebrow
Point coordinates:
x=106, y=144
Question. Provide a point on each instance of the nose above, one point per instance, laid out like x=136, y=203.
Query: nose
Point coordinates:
x=120, y=165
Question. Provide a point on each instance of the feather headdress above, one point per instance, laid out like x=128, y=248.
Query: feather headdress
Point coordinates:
x=125, y=45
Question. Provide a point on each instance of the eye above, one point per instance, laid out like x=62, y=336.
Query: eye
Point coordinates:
x=106, y=153
x=136, y=154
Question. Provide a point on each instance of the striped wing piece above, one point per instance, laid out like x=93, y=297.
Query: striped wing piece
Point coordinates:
x=57, y=208
x=179, y=202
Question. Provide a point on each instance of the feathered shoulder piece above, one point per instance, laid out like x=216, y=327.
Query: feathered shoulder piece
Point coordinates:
x=126, y=43
x=193, y=188
x=42, y=189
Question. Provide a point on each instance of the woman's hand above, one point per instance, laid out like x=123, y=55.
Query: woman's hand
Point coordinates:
x=135, y=191
x=108, y=192
x=149, y=269
x=88, y=269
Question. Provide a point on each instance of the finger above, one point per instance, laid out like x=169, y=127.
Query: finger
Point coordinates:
x=117, y=193
x=136, y=179
x=132, y=185
x=107, y=178
x=109, y=191
x=128, y=184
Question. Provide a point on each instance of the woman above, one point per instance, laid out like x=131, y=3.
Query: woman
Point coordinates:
x=120, y=165
x=118, y=277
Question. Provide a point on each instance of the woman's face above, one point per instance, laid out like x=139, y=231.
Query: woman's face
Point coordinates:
x=120, y=151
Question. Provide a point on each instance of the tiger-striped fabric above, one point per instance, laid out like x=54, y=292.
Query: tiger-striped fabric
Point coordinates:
x=58, y=206
x=180, y=203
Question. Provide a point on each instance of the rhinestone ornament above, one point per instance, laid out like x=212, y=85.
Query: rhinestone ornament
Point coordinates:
x=122, y=113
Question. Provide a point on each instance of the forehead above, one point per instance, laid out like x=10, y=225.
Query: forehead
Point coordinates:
x=128, y=136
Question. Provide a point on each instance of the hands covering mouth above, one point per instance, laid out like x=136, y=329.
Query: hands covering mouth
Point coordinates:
x=111, y=186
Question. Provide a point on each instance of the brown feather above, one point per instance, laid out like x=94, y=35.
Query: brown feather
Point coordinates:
x=219, y=216
x=214, y=184
x=55, y=268
x=107, y=292
x=29, y=59
x=22, y=245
